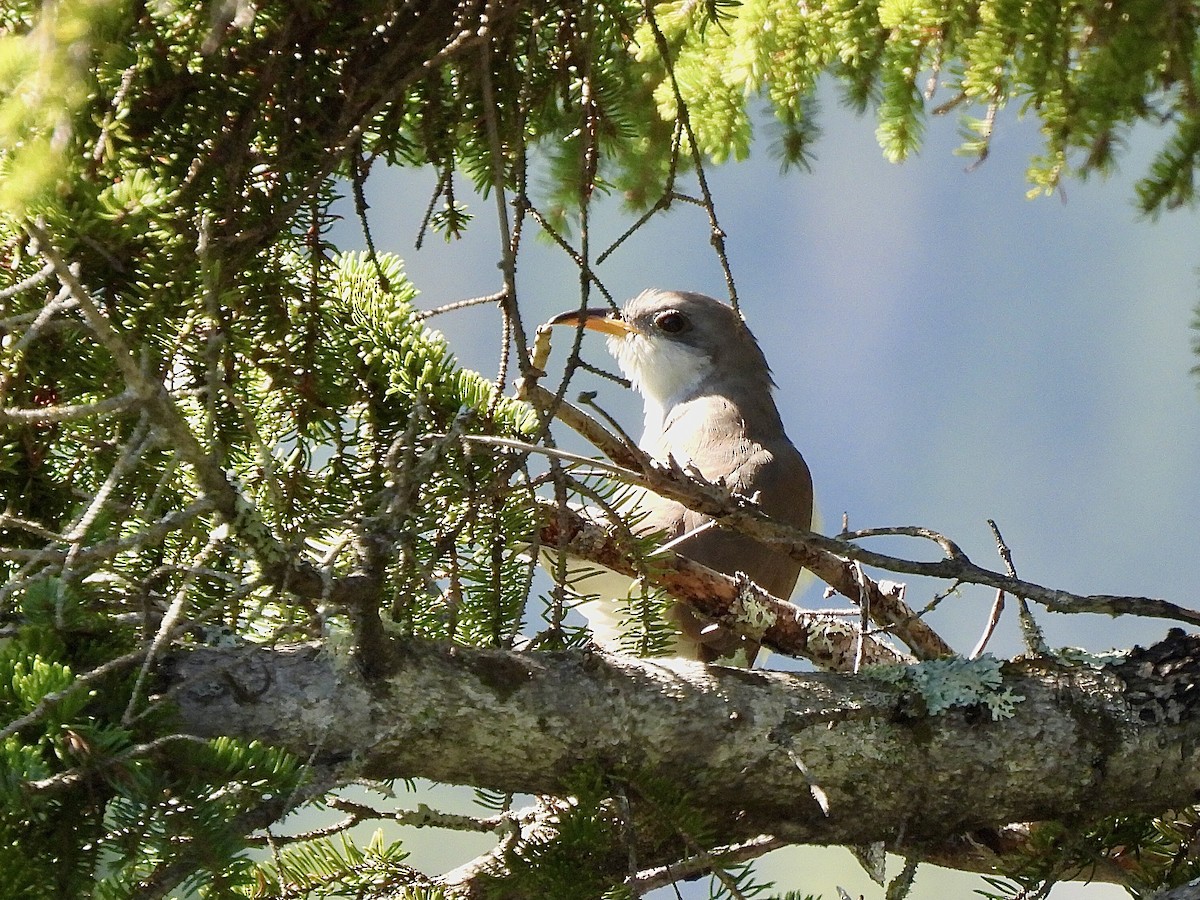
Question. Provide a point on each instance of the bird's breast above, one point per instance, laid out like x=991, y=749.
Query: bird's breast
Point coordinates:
x=709, y=434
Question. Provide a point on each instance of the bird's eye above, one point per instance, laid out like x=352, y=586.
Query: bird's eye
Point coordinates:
x=671, y=322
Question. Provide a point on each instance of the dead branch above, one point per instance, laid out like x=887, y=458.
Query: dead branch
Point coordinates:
x=828, y=641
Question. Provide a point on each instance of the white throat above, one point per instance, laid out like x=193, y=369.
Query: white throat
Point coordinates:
x=663, y=372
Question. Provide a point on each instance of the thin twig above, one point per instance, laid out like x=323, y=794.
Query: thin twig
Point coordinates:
x=627, y=475
x=508, y=260
x=170, y=619
x=152, y=535
x=1035, y=641
x=74, y=775
x=497, y=297
x=139, y=442
x=951, y=549
x=864, y=603
x=359, y=173
x=112, y=113
x=603, y=373
x=61, y=302
x=589, y=400
x=716, y=233
x=989, y=629
x=49, y=701
x=445, y=186
x=698, y=864
x=38, y=277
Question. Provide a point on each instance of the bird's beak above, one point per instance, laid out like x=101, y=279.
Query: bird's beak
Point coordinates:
x=602, y=319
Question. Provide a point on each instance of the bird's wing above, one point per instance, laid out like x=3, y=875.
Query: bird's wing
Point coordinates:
x=778, y=478
x=775, y=473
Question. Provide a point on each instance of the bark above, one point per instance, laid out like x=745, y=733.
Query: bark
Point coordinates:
x=754, y=749
x=829, y=642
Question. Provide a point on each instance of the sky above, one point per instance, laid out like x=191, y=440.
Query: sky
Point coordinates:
x=947, y=351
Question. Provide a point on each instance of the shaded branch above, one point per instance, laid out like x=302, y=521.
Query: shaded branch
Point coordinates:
x=830, y=642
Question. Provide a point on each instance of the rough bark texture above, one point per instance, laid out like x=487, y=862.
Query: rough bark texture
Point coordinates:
x=829, y=642
x=751, y=747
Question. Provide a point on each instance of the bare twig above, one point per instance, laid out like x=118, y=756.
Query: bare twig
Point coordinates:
x=81, y=681
x=508, y=260
x=170, y=619
x=951, y=549
x=864, y=604
x=60, y=302
x=562, y=243
x=151, y=536
x=141, y=440
x=716, y=233
x=38, y=277
x=1035, y=641
x=497, y=297
x=621, y=452
x=953, y=103
x=422, y=817
x=76, y=774
x=700, y=863
x=990, y=628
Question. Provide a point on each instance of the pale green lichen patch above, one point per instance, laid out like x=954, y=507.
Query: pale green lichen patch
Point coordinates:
x=752, y=616
x=827, y=635
x=954, y=682
x=1080, y=657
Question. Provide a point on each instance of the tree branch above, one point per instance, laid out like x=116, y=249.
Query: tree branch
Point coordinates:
x=830, y=558
x=811, y=549
x=830, y=642
x=1122, y=738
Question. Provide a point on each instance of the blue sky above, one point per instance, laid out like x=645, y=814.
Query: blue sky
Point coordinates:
x=947, y=351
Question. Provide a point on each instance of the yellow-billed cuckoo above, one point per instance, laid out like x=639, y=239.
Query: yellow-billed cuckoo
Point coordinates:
x=707, y=392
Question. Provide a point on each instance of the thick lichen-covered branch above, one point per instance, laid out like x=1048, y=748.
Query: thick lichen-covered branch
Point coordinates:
x=1082, y=743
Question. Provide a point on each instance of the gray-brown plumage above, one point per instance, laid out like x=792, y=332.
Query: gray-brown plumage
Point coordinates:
x=707, y=392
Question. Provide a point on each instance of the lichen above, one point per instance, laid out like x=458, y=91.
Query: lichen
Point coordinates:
x=752, y=616
x=828, y=634
x=955, y=682
x=1080, y=657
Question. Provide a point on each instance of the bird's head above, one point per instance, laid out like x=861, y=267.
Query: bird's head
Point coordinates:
x=674, y=345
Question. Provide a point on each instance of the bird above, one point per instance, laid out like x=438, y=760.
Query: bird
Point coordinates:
x=708, y=403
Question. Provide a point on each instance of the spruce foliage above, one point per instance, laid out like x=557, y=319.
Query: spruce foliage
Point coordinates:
x=176, y=331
